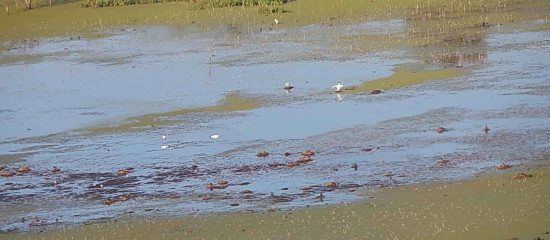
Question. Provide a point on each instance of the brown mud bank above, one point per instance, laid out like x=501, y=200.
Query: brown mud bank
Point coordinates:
x=509, y=205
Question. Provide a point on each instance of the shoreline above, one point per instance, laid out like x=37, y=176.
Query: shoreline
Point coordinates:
x=492, y=206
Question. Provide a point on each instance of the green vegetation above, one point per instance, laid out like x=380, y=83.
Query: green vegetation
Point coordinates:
x=232, y=102
x=112, y=3
x=403, y=77
x=272, y=9
x=234, y=3
x=200, y=4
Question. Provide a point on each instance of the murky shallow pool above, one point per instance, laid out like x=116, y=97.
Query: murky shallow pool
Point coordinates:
x=55, y=92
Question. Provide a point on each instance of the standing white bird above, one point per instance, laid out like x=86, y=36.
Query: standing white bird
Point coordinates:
x=276, y=21
x=163, y=137
x=338, y=86
x=287, y=86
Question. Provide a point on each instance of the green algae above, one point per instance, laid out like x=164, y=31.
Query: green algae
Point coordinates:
x=231, y=102
x=490, y=207
x=13, y=158
x=403, y=77
x=428, y=20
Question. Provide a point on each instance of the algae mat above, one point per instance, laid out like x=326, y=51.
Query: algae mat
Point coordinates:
x=494, y=207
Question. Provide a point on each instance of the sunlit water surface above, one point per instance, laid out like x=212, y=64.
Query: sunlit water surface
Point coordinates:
x=53, y=87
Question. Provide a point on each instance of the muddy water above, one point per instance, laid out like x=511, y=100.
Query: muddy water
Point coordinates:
x=91, y=107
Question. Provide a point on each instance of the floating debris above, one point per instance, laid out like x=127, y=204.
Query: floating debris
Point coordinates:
x=222, y=182
x=234, y=204
x=123, y=198
x=292, y=164
x=366, y=149
x=441, y=130
x=503, y=166
x=332, y=184
x=262, y=154
x=109, y=201
x=212, y=186
x=304, y=160
x=308, y=153
x=521, y=176
x=273, y=164
x=442, y=161
x=6, y=174
x=389, y=174
x=376, y=91
x=246, y=191
x=23, y=169
x=122, y=172
x=286, y=154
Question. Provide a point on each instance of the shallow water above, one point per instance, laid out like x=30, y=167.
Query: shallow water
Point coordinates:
x=56, y=91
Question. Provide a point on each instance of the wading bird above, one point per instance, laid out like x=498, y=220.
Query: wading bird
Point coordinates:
x=338, y=86
x=287, y=86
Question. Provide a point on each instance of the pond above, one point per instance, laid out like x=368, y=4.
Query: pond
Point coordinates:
x=92, y=107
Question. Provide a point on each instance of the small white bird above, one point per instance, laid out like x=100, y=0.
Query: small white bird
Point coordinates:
x=215, y=136
x=163, y=137
x=287, y=86
x=338, y=86
x=276, y=21
x=163, y=147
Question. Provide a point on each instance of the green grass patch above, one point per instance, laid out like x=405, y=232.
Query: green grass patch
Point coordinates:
x=403, y=77
x=235, y=3
x=113, y=3
x=231, y=102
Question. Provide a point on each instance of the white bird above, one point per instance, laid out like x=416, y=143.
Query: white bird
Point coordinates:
x=215, y=136
x=276, y=21
x=338, y=86
x=164, y=147
x=287, y=86
x=163, y=137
